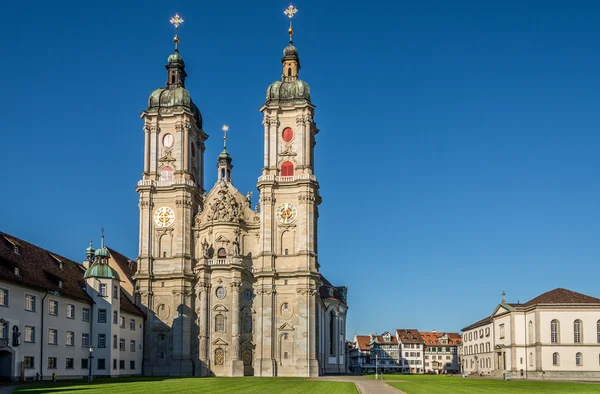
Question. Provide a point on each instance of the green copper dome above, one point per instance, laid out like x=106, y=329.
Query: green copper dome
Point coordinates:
x=176, y=58
x=294, y=90
x=290, y=51
x=101, y=271
x=102, y=252
x=171, y=99
x=224, y=157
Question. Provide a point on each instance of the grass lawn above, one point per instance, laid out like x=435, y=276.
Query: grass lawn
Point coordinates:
x=192, y=385
x=440, y=384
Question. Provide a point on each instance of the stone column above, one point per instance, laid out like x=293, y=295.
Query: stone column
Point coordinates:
x=237, y=367
x=146, y=150
x=186, y=147
x=202, y=290
x=266, y=136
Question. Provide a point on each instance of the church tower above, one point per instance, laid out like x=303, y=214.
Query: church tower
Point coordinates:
x=286, y=270
x=170, y=191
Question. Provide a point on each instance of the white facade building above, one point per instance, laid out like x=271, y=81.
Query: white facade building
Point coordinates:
x=411, y=350
x=553, y=336
x=50, y=316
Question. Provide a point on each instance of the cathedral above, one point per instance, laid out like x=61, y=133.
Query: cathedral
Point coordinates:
x=230, y=289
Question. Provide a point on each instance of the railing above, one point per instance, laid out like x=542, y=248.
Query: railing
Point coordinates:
x=267, y=178
x=147, y=182
x=226, y=262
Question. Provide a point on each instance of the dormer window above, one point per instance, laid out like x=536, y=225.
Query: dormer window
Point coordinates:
x=17, y=271
x=60, y=284
x=16, y=250
x=330, y=292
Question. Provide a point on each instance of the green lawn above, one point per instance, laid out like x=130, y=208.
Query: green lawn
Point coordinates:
x=192, y=385
x=436, y=384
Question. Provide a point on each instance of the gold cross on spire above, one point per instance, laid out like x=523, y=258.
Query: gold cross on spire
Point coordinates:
x=225, y=129
x=176, y=21
x=290, y=12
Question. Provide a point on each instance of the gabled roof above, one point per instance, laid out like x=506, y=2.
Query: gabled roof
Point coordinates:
x=363, y=342
x=482, y=322
x=40, y=269
x=408, y=335
x=331, y=292
x=127, y=265
x=128, y=306
x=433, y=338
x=561, y=296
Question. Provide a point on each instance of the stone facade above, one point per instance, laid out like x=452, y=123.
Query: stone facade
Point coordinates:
x=231, y=289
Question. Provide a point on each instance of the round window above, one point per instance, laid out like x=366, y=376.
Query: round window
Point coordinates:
x=247, y=294
x=220, y=292
x=288, y=134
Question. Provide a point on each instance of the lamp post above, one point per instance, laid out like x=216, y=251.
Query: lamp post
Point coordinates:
x=90, y=357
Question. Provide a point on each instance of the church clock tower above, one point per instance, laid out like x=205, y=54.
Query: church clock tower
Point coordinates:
x=286, y=269
x=170, y=191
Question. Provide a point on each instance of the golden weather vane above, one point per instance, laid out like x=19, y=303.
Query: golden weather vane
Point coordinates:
x=225, y=129
x=176, y=21
x=290, y=12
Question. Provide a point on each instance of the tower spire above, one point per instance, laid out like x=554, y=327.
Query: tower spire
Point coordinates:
x=224, y=161
x=290, y=12
x=176, y=21
x=225, y=129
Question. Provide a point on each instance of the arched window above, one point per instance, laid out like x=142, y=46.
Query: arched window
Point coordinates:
x=166, y=174
x=471, y=349
x=579, y=359
x=172, y=77
x=287, y=168
x=222, y=253
x=598, y=330
x=555, y=359
x=470, y=336
x=289, y=71
x=476, y=348
x=530, y=327
x=219, y=356
x=220, y=323
x=531, y=359
x=577, y=331
x=554, y=337
x=331, y=334
x=247, y=326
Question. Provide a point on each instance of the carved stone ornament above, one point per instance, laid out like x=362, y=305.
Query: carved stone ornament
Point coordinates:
x=224, y=207
x=287, y=151
x=167, y=156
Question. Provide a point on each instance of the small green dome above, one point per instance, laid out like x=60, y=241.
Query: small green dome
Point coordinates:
x=176, y=58
x=102, y=252
x=90, y=249
x=101, y=271
x=290, y=51
x=224, y=157
x=294, y=90
x=169, y=98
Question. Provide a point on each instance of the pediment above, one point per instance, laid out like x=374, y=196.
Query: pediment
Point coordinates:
x=502, y=309
x=220, y=308
x=286, y=327
x=248, y=343
x=220, y=342
x=248, y=309
x=222, y=239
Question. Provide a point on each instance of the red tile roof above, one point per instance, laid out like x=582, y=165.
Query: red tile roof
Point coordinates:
x=482, y=322
x=409, y=335
x=363, y=342
x=433, y=338
x=128, y=306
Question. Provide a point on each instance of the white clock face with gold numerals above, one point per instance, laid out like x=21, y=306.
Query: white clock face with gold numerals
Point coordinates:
x=286, y=213
x=164, y=217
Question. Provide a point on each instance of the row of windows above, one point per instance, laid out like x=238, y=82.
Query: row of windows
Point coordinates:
x=29, y=363
x=475, y=334
x=412, y=346
x=474, y=349
x=412, y=354
x=482, y=363
x=439, y=349
x=438, y=357
x=578, y=359
x=246, y=324
x=577, y=331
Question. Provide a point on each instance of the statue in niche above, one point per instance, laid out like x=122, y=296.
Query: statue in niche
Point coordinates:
x=205, y=249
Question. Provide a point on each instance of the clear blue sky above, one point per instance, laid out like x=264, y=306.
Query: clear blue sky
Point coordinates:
x=458, y=152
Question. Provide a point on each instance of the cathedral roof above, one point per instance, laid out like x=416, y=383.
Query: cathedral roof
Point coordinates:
x=101, y=271
x=293, y=90
x=163, y=98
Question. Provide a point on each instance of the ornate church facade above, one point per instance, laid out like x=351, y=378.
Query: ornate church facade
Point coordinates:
x=228, y=289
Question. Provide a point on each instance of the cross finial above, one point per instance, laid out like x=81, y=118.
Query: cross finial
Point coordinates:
x=102, y=229
x=290, y=12
x=176, y=21
x=225, y=129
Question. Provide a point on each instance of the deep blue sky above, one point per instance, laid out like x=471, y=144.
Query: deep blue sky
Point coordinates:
x=458, y=152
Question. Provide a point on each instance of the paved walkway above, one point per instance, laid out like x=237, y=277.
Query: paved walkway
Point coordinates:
x=7, y=389
x=364, y=385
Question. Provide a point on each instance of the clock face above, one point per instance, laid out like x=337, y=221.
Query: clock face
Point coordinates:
x=164, y=217
x=286, y=213
x=168, y=140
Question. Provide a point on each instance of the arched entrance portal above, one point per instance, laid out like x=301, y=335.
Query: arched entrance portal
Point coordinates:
x=6, y=365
